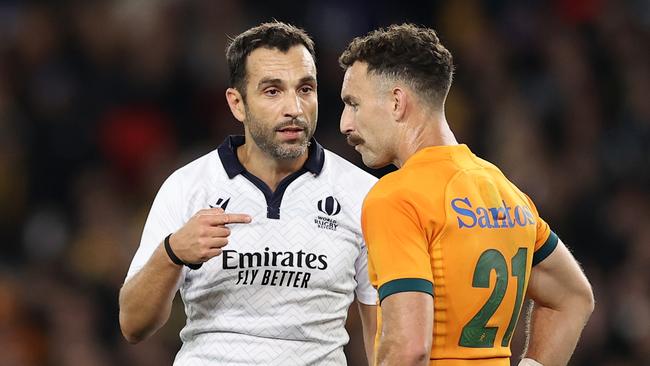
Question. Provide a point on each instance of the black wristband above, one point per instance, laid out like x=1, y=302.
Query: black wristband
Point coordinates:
x=174, y=257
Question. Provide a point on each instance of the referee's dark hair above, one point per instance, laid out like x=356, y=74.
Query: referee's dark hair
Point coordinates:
x=407, y=52
x=278, y=35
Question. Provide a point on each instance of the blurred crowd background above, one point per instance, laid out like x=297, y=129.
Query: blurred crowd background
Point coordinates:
x=101, y=100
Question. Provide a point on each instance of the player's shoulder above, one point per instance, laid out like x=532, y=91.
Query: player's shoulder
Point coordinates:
x=391, y=184
x=499, y=176
x=488, y=165
x=344, y=171
x=413, y=184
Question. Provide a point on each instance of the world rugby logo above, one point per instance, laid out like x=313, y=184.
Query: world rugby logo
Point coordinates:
x=329, y=206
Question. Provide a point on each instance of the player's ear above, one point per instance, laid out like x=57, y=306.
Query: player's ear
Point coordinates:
x=399, y=100
x=236, y=103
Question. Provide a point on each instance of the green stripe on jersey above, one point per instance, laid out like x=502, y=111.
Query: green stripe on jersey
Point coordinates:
x=405, y=285
x=546, y=249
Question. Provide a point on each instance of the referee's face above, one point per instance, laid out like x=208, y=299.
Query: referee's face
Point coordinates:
x=281, y=105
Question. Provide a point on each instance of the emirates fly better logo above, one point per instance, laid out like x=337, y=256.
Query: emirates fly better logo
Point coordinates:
x=330, y=206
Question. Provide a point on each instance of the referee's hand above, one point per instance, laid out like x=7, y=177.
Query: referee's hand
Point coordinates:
x=204, y=235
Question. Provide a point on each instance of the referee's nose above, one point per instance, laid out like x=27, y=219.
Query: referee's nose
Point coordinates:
x=293, y=106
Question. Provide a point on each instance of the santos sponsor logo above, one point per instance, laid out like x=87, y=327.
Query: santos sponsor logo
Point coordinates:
x=503, y=216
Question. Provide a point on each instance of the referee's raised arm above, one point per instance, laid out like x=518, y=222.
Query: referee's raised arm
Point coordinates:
x=146, y=298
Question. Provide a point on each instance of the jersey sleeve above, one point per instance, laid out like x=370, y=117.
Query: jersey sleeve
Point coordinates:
x=164, y=218
x=398, y=248
x=366, y=294
x=546, y=240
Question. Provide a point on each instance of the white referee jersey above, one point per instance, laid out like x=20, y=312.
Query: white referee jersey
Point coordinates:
x=279, y=293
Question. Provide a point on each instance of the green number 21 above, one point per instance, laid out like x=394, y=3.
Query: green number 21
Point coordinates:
x=475, y=334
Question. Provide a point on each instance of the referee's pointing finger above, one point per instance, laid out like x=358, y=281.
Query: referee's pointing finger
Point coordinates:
x=216, y=216
x=223, y=219
x=232, y=219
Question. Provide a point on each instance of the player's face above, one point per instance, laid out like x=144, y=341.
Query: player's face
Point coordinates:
x=366, y=116
x=282, y=101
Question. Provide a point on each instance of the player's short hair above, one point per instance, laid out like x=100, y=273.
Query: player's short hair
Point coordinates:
x=408, y=53
x=271, y=35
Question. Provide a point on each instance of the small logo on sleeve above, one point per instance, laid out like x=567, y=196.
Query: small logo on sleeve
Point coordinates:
x=221, y=202
x=330, y=206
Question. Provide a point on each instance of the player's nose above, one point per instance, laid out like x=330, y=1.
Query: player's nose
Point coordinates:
x=346, y=124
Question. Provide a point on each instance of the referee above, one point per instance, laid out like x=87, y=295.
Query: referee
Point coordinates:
x=262, y=235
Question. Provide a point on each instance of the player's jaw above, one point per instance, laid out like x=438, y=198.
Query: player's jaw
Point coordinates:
x=373, y=156
x=372, y=159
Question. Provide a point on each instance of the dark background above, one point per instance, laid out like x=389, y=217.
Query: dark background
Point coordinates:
x=101, y=100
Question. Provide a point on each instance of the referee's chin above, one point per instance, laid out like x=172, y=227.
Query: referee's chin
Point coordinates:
x=290, y=150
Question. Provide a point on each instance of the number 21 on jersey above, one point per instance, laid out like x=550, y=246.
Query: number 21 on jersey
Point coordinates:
x=475, y=333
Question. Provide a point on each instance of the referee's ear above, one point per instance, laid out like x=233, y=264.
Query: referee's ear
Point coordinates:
x=236, y=103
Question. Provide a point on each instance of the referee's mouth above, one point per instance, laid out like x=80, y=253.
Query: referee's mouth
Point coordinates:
x=290, y=132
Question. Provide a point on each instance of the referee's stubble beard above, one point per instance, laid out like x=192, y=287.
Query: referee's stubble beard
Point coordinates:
x=266, y=135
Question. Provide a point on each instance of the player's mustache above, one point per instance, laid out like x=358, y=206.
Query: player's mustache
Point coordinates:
x=294, y=122
x=354, y=140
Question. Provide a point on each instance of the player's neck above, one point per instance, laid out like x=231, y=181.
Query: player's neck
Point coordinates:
x=265, y=167
x=417, y=135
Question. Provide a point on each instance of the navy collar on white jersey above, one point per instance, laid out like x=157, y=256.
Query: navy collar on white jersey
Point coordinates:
x=228, y=155
x=232, y=165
